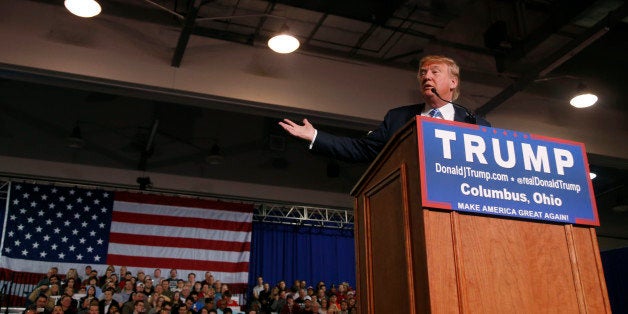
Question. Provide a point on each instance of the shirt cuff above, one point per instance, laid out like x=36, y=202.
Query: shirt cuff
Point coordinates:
x=313, y=139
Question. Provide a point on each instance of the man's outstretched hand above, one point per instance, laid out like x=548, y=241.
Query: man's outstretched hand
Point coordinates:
x=305, y=131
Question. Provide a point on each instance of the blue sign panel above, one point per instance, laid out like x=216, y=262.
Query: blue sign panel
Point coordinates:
x=491, y=171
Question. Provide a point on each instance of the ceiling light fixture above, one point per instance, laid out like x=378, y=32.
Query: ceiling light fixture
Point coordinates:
x=75, y=140
x=83, y=8
x=283, y=42
x=583, y=97
x=214, y=157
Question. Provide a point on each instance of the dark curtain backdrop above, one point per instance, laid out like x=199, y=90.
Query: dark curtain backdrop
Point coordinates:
x=286, y=252
x=615, y=263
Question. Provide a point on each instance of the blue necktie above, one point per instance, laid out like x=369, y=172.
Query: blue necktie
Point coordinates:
x=434, y=113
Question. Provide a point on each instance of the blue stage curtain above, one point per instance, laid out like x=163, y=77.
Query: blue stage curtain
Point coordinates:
x=287, y=252
x=614, y=263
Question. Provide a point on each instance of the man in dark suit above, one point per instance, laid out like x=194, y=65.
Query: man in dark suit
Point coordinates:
x=439, y=85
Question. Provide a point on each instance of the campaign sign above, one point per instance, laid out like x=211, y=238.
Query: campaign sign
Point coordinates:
x=484, y=170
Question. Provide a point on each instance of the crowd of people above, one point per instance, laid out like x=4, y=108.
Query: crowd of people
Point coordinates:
x=300, y=298
x=142, y=293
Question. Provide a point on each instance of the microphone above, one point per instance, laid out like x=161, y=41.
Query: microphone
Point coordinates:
x=470, y=118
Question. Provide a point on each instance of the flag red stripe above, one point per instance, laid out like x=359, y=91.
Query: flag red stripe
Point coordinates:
x=148, y=240
x=182, y=202
x=184, y=222
x=152, y=262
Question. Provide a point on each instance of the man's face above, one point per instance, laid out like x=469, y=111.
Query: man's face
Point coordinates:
x=41, y=302
x=438, y=76
x=108, y=295
x=93, y=309
x=139, y=307
x=173, y=273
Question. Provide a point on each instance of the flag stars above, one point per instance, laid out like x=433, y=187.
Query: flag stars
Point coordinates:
x=89, y=193
x=48, y=222
x=10, y=234
x=101, y=225
x=16, y=202
x=86, y=208
x=56, y=230
x=43, y=254
x=105, y=195
x=46, y=238
x=20, y=227
x=33, y=204
x=30, y=220
x=74, y=232
x=72, y=192
x=77, y=216
x=35, y=245
x=18, y=187
x=26, y=195
x=36, y=189
x=84, y=224
x=39, y=229
x=69, y=206
x=79, y=257
x=97, y=258
x=79, y=200
x=72, y=248
x=40, y=213
x=28, y=236
x=90, y=249
x=53, y=247
x=94, y=217
x=59, y=214
x=51, y=205
x=82, y=240
x=61, y=256
x=103, y=210
x=54, y=190
x=100, y=241
x=17, y=243
x=22, y=211
x=13, y=217
x=44, y=197
x=25, y=252
x=64, y=239
x=8, y=250
x=96, y=201
x=62, y=199
x=92, y=233
x=66, y=223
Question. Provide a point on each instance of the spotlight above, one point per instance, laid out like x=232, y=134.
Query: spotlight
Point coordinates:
x=83, y=8
x=283, y=42
x=583, y=98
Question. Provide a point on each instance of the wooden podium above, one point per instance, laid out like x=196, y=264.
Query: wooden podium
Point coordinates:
x=412, y=259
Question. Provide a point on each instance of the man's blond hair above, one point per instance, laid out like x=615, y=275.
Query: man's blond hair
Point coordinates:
x=454, y=70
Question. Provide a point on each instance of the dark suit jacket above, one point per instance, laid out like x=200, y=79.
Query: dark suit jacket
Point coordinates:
x=366, y=148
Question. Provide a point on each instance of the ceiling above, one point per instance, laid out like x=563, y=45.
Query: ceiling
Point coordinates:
x=543, y=48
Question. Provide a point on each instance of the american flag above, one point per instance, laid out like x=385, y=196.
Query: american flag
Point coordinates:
x=70, y=227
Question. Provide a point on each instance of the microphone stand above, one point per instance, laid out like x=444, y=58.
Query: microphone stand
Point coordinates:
x=470, y=118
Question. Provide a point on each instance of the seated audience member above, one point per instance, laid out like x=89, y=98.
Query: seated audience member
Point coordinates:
x=139, y=307
x=107, y=302
x=290, y=307
x=67, y=305
x=85, y=302
x=41, y=304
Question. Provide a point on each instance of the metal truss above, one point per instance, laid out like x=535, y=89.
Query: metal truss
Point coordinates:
x=304, y=216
